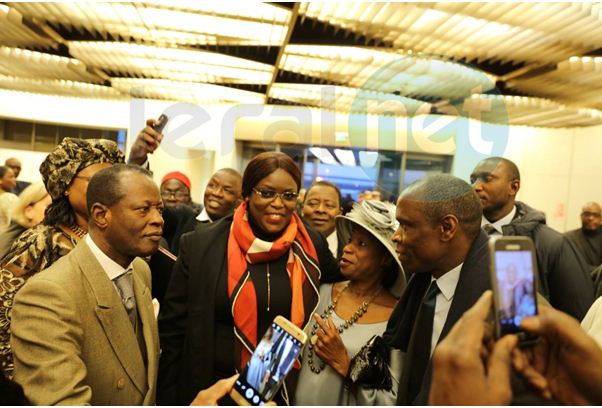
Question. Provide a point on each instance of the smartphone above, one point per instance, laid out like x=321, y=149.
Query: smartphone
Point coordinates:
x=160, y=124
x=271, y=361
x=514, y=282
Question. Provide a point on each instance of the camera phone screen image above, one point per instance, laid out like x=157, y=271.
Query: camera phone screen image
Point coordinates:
x=514, y=272
x=271, y=361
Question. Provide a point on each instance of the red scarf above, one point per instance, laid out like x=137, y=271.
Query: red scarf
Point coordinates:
x=302, y=267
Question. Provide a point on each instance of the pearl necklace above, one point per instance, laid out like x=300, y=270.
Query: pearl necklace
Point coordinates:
x=345, y=325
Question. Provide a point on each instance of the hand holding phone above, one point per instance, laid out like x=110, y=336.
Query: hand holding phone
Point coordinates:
x=147, y=141
x=514, y=280
x=160, y=124
x=271, y=361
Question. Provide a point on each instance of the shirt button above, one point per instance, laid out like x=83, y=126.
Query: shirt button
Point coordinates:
x=120, y=383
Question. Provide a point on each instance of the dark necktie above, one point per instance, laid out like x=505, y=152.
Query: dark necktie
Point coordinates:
x=423, y=334
x=125, y=287
x=490, y=229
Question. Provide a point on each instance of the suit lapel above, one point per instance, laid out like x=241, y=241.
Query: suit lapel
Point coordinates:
x=149, y=327
x=112, y=316
x=474, y=280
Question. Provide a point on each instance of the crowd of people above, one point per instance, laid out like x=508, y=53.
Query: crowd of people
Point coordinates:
x=117, y=291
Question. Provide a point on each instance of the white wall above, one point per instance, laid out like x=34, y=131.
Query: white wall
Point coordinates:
x=560, y=168
x=197, y=153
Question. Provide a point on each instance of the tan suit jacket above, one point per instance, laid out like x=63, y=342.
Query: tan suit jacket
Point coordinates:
x=72, y=341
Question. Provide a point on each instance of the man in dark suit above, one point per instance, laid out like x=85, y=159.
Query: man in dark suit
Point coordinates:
x=588, y=238
x=564, y=277
x=441, y=245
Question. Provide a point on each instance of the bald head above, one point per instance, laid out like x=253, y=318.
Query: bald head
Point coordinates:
x=439, y=218
x=223, y=193
x=506, y=167
x=496, y=181
x=444, y=194
x=14, y=164
x=591, y=216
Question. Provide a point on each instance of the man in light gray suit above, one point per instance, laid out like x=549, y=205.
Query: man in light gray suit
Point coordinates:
x=84, y=331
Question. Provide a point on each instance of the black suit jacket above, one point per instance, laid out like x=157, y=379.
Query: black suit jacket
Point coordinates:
x=473, y=281
x=21, y=185
x=187, y=317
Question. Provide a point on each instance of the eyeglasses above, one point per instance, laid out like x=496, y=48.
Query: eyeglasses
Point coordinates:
x=590, y=214
x=272, y=195
x=177, y=194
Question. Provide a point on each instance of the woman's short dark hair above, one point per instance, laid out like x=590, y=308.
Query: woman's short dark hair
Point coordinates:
x=265, y=164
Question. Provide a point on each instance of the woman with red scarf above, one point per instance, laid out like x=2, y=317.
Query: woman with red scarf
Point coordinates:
x=234, y=276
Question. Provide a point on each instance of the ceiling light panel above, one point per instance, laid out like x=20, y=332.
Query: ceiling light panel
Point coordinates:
x=505, y=32
x=59, y=87
x=14, y=33
x=528, y=111
x=171, y=63
x=170, y=22
x=20, y=62
x=386, y=71
x=345, y=99
x=184, y=91
x=576, y=81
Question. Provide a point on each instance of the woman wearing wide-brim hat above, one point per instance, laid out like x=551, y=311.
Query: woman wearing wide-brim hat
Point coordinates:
x=350, y=313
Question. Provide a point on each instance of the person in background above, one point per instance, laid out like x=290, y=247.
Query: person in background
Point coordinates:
x=7, y=198
x=375, y=279
x=300, y=201
x=15, y=165
x=588, y=238
x=234, y=276
x=175, y=190
x=565, y=280
x=27, y=213
x=347, y=203
x=222, y=195
x=65, y=172
x=321, y=206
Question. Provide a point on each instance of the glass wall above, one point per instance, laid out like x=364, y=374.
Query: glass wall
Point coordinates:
x=355, y=170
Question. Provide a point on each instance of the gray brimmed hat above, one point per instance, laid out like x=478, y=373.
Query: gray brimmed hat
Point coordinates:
x=378, y=218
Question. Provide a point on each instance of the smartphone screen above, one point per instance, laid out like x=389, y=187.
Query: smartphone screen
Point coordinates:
x=271, y=361
x=515, y=280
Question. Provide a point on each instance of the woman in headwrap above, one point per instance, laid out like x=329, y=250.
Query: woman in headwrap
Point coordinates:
x=66, y=172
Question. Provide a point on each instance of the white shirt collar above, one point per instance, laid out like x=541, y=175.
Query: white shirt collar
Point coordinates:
x=333, y=243
x=447, y=282
x=507, y=219
x=203, y=216
x=111, y=268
